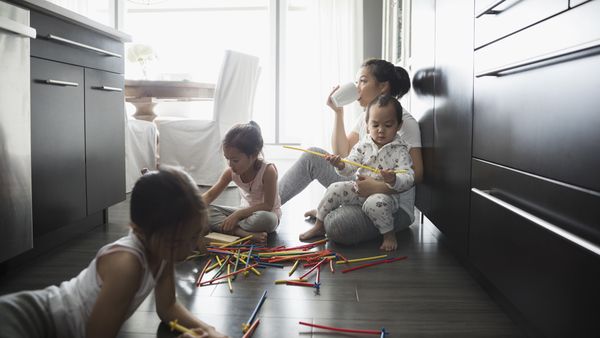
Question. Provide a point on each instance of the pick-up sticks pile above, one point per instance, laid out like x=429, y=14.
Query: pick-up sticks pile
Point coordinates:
x=237, y=257
x=241, y=257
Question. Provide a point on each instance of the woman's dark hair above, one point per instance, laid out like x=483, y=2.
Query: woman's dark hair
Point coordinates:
x=385, y=71
x=245, y=137
x=163, y=200
x=383, y=101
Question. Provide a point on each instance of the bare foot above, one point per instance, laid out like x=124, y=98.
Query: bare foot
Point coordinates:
x=311, y=213
x=389, y=241
x=317, y=230
x=257, y=237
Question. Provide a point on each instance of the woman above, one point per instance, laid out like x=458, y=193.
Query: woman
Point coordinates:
x=349, y=224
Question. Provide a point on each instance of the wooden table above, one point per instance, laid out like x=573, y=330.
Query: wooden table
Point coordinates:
x=145, y=94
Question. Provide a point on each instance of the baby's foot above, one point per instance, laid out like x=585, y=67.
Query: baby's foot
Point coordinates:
x=318, y=230
x=311, y=213
x=389, y=242
x=257, y=237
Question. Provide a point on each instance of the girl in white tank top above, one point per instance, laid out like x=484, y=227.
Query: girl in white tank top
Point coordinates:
x=260, y=206
x=168, y=217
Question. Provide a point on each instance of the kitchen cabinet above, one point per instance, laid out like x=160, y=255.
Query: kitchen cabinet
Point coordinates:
x=57, y=144
x=443, y=98
x=534, y=225
x=105, y=153
x=77, y=121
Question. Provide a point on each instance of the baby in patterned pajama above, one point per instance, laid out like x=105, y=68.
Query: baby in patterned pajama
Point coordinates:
x=382, y=148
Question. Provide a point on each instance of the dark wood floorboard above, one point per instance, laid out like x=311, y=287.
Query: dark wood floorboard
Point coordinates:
x=429, y=294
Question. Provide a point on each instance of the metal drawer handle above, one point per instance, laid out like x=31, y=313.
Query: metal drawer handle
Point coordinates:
x=81, y=45
x=61, y=83
x=540, y=222
x=17, y=28
x=546, y=57
x=490, y=9
x=109, y=89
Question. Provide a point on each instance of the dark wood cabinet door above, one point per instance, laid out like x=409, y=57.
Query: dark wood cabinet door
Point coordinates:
x=543, y=117
x=104, y=139
x=453, y=120
x=530, y=239
x=422, y=95
x=57, y=145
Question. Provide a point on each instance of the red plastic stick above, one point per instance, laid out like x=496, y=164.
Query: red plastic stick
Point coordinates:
x=229, y=274
x=250, y=331
x=202, y=272
x=375, y=263
x=313, y=268
x=338, y=329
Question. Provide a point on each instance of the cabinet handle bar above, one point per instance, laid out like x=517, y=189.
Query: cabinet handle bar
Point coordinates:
x=81, y=45
x=540, y=222
x=61, y=83
x=489, y=9
x=546, y=57
x=109, y=89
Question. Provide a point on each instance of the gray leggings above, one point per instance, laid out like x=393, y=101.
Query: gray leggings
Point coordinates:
x=347, y=224
x=259, y=221
x=26, y=314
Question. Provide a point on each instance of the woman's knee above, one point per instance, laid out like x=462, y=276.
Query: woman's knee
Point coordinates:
x=349, y=225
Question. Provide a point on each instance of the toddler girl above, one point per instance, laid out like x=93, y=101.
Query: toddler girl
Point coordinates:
x=381, y=148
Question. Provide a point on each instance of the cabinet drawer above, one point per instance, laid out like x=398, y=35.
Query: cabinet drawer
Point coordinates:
x=543, y=117
x=57, y=145
x=573, y=209
x=495, y=19
x=551, y=280
x=66, y=42
x=105, y=155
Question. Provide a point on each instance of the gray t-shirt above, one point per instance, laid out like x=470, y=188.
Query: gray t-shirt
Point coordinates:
x=409, y=132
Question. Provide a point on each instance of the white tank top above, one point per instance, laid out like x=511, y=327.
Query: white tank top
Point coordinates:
x=253, y=192
x=71, y=303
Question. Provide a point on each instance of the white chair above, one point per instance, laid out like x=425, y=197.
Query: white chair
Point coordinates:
x=195, y=145
x=140, y=149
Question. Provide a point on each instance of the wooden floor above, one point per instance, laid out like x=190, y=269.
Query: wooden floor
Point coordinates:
x=427, y=295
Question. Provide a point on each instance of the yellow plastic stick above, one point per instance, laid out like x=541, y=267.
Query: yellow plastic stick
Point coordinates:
x=236, y=241
x=175, y=326
x=253, y=269
x=356, y=164
x=229, y=279
x=294, y=268
x=283, y=281
x=360, y=259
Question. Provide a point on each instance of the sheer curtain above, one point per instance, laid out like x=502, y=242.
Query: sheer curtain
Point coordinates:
x=324, y=50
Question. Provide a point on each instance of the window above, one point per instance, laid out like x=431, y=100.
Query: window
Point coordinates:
x=303, y=46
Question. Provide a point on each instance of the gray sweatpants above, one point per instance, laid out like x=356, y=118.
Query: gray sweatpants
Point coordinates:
x=259, y=221
x=26, y=314
x=347, y=224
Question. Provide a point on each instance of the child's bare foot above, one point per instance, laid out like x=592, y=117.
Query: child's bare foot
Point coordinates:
x=389, y=241
x=317, y=230
x=257, y=237
x=311, y=213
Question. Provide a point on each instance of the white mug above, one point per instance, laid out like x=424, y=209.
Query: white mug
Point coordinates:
x=346, y=94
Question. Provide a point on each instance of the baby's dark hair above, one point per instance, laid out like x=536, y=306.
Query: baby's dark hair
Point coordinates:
x=383, y=101
x=396, y=76
x=162, y=201
x=246, y=137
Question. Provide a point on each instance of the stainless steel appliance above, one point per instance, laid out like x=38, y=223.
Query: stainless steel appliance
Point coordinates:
x=16, y=232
